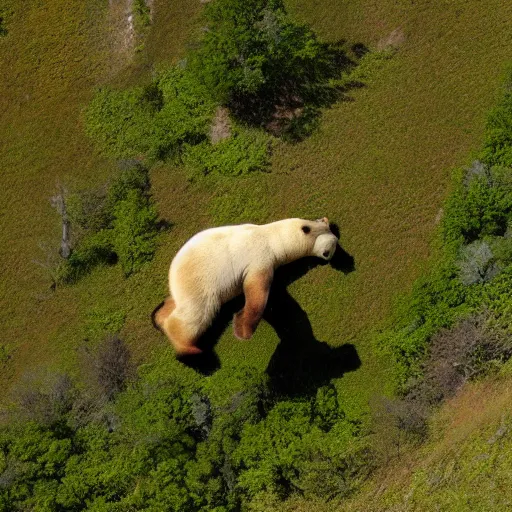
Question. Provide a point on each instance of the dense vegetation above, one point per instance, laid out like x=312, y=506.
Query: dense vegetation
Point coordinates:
x=474, y=270
x=455, y=325
x=254, y=63
x=173, y=442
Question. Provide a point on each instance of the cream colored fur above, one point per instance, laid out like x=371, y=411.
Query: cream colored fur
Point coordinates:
x=213, y=265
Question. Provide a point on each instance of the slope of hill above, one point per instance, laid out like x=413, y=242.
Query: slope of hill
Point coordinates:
x=379, y=166
x=466, y=464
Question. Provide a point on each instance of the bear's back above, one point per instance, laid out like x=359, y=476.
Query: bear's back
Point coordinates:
x=213, y=262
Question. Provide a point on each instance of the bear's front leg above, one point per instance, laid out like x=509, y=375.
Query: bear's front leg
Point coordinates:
x=256, y=290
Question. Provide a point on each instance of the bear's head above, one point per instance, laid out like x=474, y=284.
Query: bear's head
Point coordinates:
x=323, y=242
x=325, y=246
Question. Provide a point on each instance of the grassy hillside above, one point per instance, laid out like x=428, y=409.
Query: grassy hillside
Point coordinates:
x=379, y=167
x=465, y=466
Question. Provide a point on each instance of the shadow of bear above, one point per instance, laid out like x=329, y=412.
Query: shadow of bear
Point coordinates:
x=301, y=363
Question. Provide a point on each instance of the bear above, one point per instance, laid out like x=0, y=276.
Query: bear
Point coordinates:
x=218, y=264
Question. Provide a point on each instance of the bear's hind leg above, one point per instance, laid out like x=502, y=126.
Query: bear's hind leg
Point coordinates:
x=182, y=337
x=161, y=312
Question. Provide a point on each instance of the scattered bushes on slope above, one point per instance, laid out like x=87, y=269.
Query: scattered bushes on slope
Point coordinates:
x=171, y=119
x=155, y=120
x=455, y=326
x=475, y=264
x=264, y=66
x=271, y=73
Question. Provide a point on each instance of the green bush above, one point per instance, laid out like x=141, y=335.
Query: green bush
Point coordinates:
x=236, y=397
x=134, y=231
x=132, y=176
x=115, y=223
x=93, y=250
x=477, y=263
x=245, y=151
x=103, y=321
x=253, y=54
x=498, y=140
x=87, y=211
x=154, y=121
x=142, y=15
x=481, y=205
x=120, y=122
x=288, y=453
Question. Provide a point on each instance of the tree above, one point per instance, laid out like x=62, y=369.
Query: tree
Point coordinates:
x=254, y=58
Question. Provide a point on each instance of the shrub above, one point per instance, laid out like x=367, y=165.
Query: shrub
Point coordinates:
x=93, y=250
x=87, y=211
x=498, y=141
x=44, y=400
x=467, y=350
x=132, y=176
x=5, y=354
x=244, y=152
x=114, y=223
x=154, y=121
x=287, y=453
x=253, y=57
x=142, y=15
x=134, y=231
x=103, y=321
x=236, y=397
x=397, y=423
x=480, y=206
x=110, y=366
x=502, y=248
x=477, y=263
x=120, y=122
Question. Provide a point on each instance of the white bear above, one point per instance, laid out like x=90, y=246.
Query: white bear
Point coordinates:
x=220, y=263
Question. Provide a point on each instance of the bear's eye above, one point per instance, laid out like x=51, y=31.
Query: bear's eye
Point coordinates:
x=306, y=229
x=326, y=254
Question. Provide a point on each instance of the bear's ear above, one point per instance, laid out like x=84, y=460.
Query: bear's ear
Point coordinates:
x=306, y=229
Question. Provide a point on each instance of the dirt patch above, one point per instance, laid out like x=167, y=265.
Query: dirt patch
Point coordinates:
x=393, y=41
x=221, y=125
x=284, y=114
x=122, y=33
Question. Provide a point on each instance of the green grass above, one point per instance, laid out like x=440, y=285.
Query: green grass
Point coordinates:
x=379, y=167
